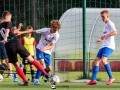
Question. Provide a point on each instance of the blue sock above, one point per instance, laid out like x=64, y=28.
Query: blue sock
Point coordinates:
x=94, y=72
x=39, y=73
x=108, y=69
x=15, y=76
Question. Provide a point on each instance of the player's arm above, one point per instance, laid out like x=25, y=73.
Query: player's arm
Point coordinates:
x=23, y=32
x=112, y=33
x=16, y=32
x=6, y=36
x=40, y=31
x=34, y=48
x=98, y=41
x=47, y=47
x=20, y=25
x=109, y=35
x=51, y=45
x=105, y=36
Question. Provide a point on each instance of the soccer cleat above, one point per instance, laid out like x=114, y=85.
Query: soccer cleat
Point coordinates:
x=36, y=82
x=25, y=84
x=46, y=77
x=92, y=82
x=110, y=81
x=53, y=86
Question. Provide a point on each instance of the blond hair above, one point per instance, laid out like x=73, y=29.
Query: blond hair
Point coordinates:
x=6, y=13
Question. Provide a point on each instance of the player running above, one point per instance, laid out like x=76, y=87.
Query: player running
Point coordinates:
x=108, y=46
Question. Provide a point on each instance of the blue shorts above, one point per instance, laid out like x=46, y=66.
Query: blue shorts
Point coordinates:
x=3, y=53
x=41, y=55
x=106, y=52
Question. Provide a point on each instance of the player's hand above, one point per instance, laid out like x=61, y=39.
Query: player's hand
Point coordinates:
x=103, y=37
x=17, y=32
x=98, y=41
x=42, y=49
x=3, y=41
x=20, y=25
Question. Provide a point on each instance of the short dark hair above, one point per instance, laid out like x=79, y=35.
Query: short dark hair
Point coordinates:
x=29, y=27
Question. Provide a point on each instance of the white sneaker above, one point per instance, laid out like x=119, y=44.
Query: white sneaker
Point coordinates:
x=10, y=76
x=15, y=80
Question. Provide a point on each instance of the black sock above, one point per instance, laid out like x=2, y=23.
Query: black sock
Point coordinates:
x=32, y=74
x=24, y=70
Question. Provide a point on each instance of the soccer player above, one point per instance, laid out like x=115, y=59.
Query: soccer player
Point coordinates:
x=107, y=47
x=29, y=43
x=49, y=37
x=3, y=54
x=13, y=47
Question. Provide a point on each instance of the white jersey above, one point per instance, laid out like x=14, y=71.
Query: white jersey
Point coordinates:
x=46, y=38
x=109, y=41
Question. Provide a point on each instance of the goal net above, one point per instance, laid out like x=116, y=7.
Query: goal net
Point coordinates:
x=68, y=51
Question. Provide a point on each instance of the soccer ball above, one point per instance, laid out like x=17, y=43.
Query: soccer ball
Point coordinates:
x=54, y=79
x=1, y=78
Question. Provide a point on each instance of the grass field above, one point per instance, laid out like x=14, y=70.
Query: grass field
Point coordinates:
x=61, y=86
x=8, y=84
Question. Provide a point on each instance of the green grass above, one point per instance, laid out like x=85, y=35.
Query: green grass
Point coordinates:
x=61, y=86
x=8, y=83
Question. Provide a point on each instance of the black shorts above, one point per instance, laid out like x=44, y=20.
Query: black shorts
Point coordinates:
x=15, y=48
x=25, y=62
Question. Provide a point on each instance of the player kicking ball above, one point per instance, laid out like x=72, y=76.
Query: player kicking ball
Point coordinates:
x=13, y=47
x=107, y=47
x=49, y=37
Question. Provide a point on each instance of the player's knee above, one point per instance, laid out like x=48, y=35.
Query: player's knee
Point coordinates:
x=104, y=61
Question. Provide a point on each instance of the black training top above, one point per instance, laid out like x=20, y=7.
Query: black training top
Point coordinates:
x=3, y=27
